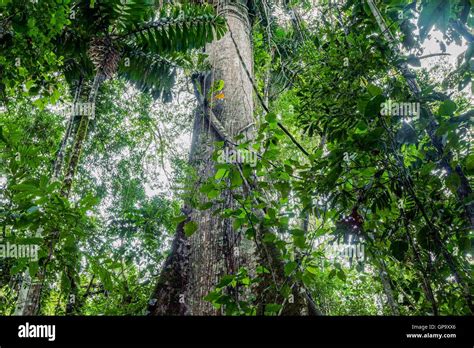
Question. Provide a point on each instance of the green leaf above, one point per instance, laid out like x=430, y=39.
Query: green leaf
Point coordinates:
x=361, y=127
x=272, y=308
x=269, y=237
x=262, y=270
x=433, y=12
x=190, y=228
x=297, y=232
x=372, y=109
x=222, y=172
x=212, y=296
x=205, y=206
x=33, y=268
x=206, y=188
x=236, y=179
x=237, y=224
x=398, y=249
x=447, y=108
x=341, y=275
x=290, y=267
x=213, y=194
x=413, y=60
x=470, y=164
x=374, y=90
x=453, y=181
x=225, y=281
x=218, y=85
x=271, y=117
x=299, y=241
x=177, y=220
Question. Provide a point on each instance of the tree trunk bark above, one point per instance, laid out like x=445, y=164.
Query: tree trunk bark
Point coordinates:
x=29, y=299
x=24, y=305
x=387, y=288
x=58, y=163
x=195, y=265
x=216, y=249
x=427, y=289
x=81, y=136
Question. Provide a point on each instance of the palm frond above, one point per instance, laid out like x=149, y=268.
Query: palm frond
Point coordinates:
x=116, y=14
x=129, y=12
x=178, y=29
x=150, y=73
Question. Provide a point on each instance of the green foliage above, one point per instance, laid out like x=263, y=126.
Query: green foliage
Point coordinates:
x=371, y=177
x=29, y=54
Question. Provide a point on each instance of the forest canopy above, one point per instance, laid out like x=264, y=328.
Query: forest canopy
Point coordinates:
x=246, y=157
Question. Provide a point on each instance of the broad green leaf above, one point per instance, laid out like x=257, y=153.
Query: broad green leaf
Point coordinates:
x=290, y=267
x=221, y=172
x=190, y=228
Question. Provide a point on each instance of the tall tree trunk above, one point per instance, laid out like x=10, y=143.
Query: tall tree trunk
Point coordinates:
x=59, y=161
x=81, y=136
x=29, y=299
x=71, y=170
x=196, y=264
x=387, y=288
x=26, y=284
x=215, y=249
x=426, y=284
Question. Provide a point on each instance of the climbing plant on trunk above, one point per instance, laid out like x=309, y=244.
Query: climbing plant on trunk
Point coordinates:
x=210, y=251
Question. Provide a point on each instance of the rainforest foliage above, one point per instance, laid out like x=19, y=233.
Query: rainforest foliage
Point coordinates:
x=361, y=165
